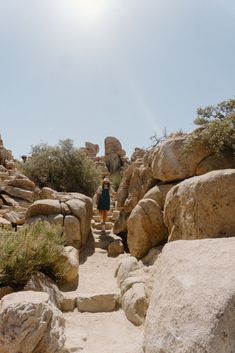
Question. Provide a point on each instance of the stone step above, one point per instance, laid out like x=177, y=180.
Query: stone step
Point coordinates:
x=97, y=218
x=108, y=226
x=96, y=303
x=91, y=302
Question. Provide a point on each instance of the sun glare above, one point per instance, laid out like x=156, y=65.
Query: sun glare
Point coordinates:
x=90, y=11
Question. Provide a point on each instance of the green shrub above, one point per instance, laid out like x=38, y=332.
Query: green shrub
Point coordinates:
x=217, y=128
x=33, y=248
x=116, y=180
x=62, y=167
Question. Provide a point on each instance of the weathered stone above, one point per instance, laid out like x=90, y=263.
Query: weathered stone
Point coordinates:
x=81, y=207
x=224, y=160
x=132, y=280
x=69, y=301
x=30, y=323
x=22, y=183
x=120, y=225
x=94, y=303
x=192, y=307
x=115, y=248
x=8, y=200
x=55, y=219
x=135, y=304
x=70, y=277
x=72, y=231
x=47, y=193
x=202, y=207
x=39, y=282
x=12, y=216
x=112, y=145
x=158, y=193
x=152, y=256
x=92, y=149
x=43, y=207
x=17, y=192
x=32, y=220
x=146, y=228
x=171, y=163
x=4, y=223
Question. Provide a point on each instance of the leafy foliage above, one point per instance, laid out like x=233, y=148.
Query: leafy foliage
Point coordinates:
x=62, y=167
x=217, y=131
x=33, y=248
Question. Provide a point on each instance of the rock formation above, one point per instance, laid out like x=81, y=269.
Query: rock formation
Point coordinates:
x=30, y=323
x=192, y=307
x=202, y=207
x=72, y=210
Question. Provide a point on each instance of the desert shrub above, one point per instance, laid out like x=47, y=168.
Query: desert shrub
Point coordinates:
x=62, y=167
x=116, y=180
x=33, y=248
x=217, y=128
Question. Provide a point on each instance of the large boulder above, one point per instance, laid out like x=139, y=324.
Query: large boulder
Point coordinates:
x=112, y=145
x=43, y=207
x=146, y=228
x=202, y=207
x=171, y=163
x=72, y=210
x=192, y=307
x=113, y=154
x=30, y=323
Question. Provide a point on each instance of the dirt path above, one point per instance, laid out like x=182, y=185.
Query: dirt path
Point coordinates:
x=100, y=332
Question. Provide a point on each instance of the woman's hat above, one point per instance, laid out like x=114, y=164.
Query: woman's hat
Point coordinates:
x=106, y=180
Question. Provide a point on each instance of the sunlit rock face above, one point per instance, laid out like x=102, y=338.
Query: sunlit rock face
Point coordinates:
x=192, y=306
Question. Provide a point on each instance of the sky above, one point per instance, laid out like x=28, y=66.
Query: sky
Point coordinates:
x=88, y=69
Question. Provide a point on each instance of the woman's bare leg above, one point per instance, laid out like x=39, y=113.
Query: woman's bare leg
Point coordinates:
x=104, y=216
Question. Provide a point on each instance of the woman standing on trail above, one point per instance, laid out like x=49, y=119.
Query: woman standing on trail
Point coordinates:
x=103, y=200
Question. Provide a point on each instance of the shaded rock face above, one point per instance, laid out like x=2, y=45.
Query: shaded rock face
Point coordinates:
x=146, y=228
x=135, y=280
x=137, y=180
x=30, y=323
x=72, y=210
x=41, y=283
x=17, y=192
x=113, y=154
x=92, y=149
x=131, y=281
x=71, y=276
x=202, y=207
x=192, y=307
x=224, y=160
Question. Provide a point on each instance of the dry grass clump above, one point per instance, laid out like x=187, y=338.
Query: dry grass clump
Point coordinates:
x=33, y=248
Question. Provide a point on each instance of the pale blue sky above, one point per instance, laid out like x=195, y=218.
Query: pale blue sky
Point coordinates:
x=87, y=69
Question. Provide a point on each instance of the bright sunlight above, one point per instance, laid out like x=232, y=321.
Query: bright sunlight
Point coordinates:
x=90, y=11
